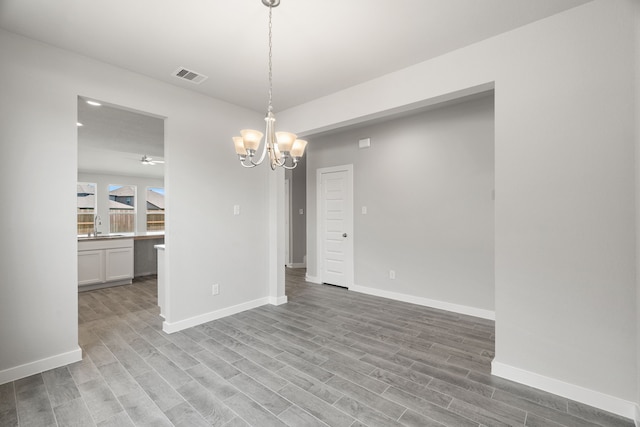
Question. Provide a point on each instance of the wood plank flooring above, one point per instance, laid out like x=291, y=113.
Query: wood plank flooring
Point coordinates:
x=329, y=357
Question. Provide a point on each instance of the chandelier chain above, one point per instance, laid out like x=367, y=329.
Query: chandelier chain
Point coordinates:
x=270, y=107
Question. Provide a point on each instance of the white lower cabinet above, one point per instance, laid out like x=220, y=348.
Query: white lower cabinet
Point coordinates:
x=90, y=267
x=118, y=264
x=104, y=262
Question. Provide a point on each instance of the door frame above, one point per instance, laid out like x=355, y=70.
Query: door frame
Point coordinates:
x=288, y=256
x=349, y=263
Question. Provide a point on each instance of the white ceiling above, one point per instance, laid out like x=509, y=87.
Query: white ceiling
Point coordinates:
x=112, y=140
x=318, y=48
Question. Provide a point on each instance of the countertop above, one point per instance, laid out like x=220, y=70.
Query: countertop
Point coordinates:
x=134, y=236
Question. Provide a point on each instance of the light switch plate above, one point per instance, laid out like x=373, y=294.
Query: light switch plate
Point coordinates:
x=364, y=143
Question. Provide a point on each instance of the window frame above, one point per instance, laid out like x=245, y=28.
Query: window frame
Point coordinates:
x=153, y=211
x=88, y=228
x=133, y=213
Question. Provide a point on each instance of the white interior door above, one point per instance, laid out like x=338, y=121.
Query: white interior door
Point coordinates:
x=335, y=225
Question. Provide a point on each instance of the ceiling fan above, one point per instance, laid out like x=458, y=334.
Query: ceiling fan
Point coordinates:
x=146, y=160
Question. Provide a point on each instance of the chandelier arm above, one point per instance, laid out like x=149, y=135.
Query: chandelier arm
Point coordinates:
x=274, y=158
x=256, y=163
x=247, y=166
x=279, y=161
x=290, y=167
x=262, y=156
x=277, y=156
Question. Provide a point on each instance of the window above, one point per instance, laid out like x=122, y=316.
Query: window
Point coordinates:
x=122, y=208
x=155, y=209
x=86, y=207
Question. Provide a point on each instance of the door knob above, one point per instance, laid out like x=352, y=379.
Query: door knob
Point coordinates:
x=344, y=234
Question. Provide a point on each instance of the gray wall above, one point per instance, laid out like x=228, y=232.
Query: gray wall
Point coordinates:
x=298, y=178
x=427, y=183
x=636, y=18
x=637, y=135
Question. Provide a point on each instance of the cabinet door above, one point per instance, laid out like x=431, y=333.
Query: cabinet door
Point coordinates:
x=119, y=264
x=90, y=267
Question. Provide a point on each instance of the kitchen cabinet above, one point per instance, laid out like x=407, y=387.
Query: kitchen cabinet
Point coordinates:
x=145, y=257
x=118, y=264
x=90, y=267
x=104, y=262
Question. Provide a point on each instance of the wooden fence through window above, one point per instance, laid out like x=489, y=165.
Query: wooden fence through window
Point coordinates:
x=85, y=222
x=155, y=220
x=120, y=221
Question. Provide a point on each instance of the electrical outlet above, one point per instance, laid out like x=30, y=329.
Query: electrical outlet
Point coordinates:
x=392, y=274
x=215, y=289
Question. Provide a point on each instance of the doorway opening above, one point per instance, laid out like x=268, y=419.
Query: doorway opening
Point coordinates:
x=121, y=153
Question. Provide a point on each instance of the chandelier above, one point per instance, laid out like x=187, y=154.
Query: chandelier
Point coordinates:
x=284, y=148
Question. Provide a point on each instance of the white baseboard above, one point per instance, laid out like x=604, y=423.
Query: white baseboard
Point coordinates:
x=312, y=279
x=41, y=365
x=580, y=394
x=456, y=308
x=171, y=327
x=278, y=300
x=297, y=265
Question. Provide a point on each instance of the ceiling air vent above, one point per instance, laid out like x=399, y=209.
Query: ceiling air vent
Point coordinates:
x=189, y=75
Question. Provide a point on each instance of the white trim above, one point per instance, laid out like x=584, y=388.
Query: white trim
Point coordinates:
x=278, y=300
x=288, y=234
x=320, y=217
x=312, y=279
x=570, y=391
x=442, y=305
x=637, y=418
x=31, y=368
x=297, y=265
x=213, y=315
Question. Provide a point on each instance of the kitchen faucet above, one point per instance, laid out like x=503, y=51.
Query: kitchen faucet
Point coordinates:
x=96, y=221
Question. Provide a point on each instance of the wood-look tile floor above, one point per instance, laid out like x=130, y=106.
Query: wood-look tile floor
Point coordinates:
x=329, y=357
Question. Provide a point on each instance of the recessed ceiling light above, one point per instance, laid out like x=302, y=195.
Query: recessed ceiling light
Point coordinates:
x=79, y=124
x=94, y=103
